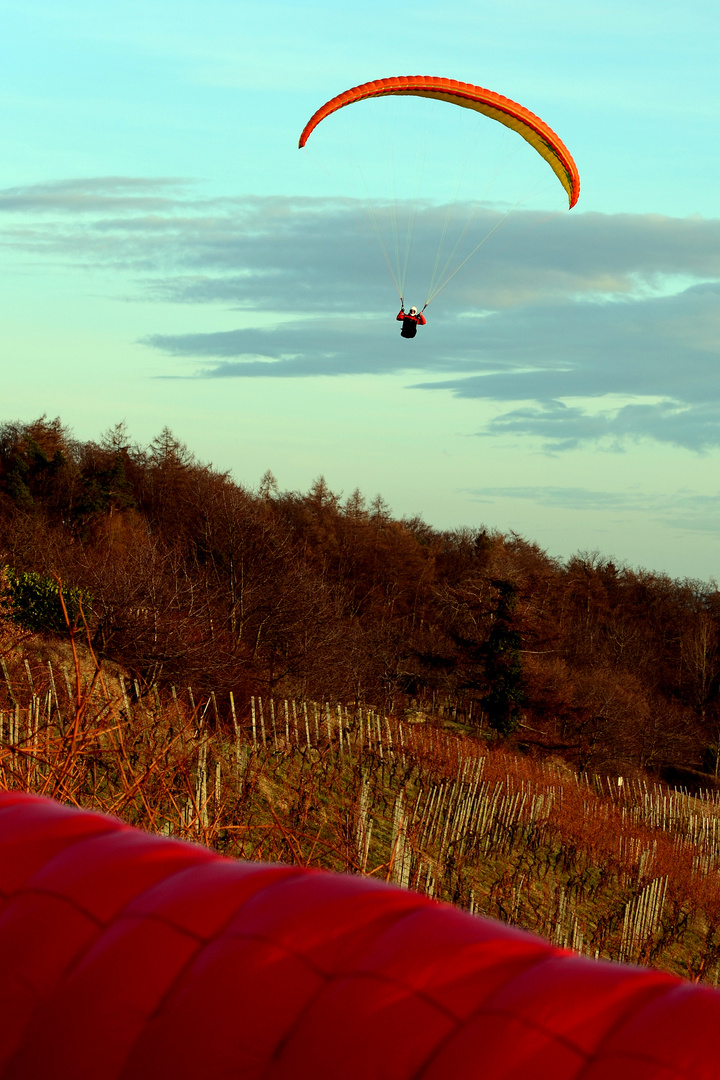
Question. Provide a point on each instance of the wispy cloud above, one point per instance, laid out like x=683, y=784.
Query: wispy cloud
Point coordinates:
x=574, y=498
x=93, y=195
x=685, y=510
x=563, y=427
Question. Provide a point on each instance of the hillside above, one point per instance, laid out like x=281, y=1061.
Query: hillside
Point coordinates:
x=297, y=678
x=187, y=578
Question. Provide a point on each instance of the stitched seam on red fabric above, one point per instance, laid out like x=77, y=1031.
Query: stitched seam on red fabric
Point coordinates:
x=482, y=1012
x=291, y=872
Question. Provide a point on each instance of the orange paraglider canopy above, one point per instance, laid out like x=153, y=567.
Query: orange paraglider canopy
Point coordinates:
x=534, y=130
x=129, y=956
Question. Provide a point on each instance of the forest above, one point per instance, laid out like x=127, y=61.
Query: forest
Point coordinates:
x=182, y=577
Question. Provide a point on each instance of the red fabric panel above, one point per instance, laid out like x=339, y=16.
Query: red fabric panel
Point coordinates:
x=229, y=1015
x=103, y=874
x=91, y=1024
x=34, y=829
x=678, y=1029
x=125, y=955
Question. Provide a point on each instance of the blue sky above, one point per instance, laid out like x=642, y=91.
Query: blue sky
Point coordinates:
x=169, y=257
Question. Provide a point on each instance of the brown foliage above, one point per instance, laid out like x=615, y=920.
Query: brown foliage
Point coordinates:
x=196, y=580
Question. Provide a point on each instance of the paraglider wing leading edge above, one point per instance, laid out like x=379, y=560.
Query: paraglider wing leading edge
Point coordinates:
x=534, y=130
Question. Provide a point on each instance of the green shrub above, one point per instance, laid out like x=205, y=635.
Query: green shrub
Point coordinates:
x=34, y=600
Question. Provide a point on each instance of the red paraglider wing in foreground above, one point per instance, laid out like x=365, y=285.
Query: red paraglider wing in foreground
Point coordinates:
x=125, y=955
x=534, y=130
